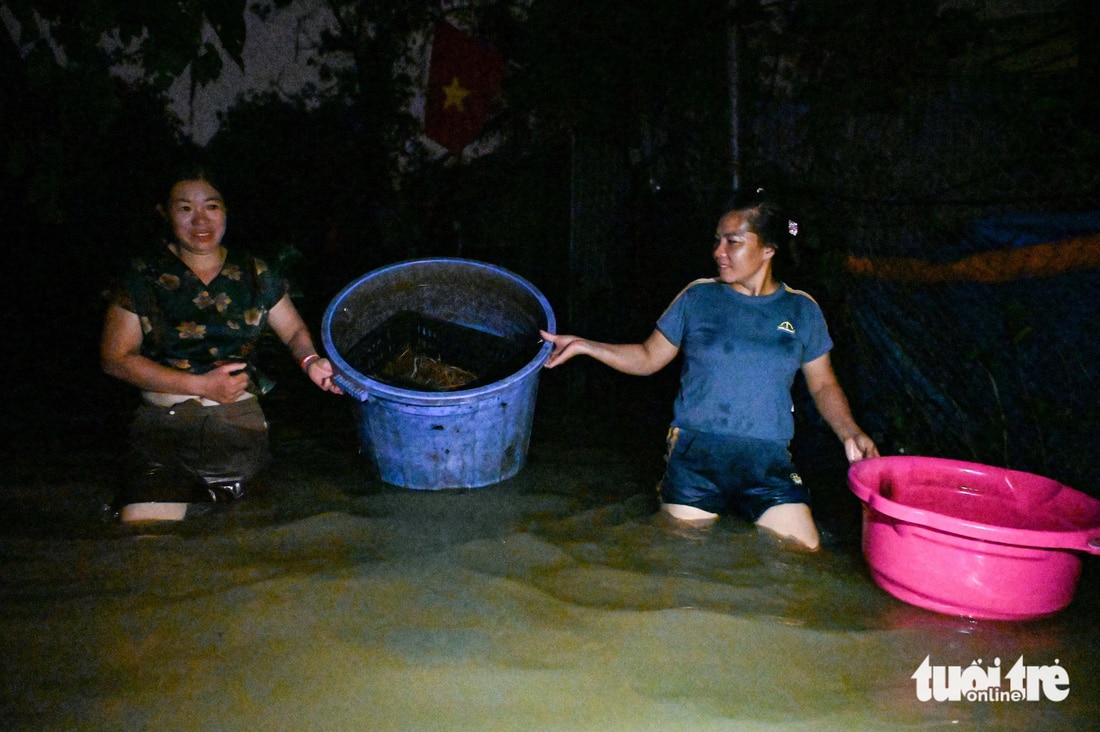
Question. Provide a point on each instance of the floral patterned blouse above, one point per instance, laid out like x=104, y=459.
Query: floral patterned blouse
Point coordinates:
x=193, y=326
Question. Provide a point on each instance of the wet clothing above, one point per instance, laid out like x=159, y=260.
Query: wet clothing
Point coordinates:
x=720, y=473
x=190, y=451
x=733, y=418
x=741, y=355
x=192, y=326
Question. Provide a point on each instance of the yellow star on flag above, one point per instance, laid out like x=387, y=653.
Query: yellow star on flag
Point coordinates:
x=456, y=95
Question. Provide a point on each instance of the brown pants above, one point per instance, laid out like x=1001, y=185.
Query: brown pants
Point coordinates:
x=188, y=452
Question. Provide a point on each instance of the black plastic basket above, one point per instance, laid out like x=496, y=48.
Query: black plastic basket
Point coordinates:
x=488, y=357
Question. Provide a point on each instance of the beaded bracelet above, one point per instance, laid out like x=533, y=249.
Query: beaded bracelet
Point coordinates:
x=305, y=362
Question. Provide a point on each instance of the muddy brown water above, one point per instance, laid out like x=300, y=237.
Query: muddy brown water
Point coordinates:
x=556, y=600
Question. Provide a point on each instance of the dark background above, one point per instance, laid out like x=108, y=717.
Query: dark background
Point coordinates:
x=888, y=128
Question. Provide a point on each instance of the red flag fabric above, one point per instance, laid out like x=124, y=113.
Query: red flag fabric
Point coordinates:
x=463, y=79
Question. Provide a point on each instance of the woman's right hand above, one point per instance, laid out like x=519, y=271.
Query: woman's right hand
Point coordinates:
x=562, y=351
x=224, y=384
x=640, y=359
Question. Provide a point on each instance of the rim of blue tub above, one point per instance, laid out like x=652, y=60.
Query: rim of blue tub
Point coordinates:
x=374, y=388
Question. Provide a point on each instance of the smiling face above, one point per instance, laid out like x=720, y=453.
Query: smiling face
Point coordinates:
x=742, y=260
x=197, y=214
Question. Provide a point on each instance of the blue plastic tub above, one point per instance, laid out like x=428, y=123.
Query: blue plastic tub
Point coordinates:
x=455, y=438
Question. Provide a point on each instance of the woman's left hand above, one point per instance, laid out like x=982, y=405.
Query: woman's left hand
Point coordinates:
x=859, y=447
x=320, y=372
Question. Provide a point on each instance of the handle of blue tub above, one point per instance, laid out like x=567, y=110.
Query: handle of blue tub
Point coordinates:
x=350, y=387
x=1093, y=546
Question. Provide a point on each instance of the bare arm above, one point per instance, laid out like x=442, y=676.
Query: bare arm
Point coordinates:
x=833, y=406
x=640, y=359
x=292, y=330
x=120, y=356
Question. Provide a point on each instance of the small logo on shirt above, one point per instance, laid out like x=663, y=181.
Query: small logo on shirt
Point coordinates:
x=786, y=327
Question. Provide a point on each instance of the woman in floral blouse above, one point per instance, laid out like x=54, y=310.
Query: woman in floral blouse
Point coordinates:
x=183, y=328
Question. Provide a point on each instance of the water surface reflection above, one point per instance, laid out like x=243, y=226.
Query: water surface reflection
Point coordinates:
x=557, y=600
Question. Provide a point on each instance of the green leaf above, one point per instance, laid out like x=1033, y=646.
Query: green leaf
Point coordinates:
x=207, y=65
x=227, y=19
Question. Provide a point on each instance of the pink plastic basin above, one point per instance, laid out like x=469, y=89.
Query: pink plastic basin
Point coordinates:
x=973, y=540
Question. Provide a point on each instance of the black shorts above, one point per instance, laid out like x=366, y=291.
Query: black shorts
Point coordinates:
x=719, y=473
x=188, y=452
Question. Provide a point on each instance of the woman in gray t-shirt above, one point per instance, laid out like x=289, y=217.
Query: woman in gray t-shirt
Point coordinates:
x=744, y=335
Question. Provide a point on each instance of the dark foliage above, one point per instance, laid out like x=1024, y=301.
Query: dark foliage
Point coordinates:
x=885, y=128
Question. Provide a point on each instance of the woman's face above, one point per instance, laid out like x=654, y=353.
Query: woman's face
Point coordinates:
x=197, y=213
x=741, y=258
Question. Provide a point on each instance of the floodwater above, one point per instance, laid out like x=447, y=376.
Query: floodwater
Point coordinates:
x=557, y=600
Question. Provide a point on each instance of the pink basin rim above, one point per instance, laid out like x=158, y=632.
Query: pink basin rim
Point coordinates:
x=1051, y=530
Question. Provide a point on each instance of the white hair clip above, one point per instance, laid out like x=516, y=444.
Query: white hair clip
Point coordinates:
x=792, y=228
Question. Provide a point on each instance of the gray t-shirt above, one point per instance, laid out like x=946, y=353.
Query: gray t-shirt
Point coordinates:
x=741, y=354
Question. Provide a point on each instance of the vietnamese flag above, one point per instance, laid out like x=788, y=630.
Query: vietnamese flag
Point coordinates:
x=463, y=79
